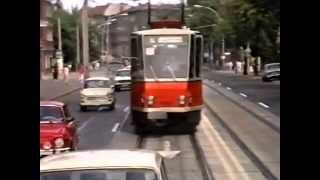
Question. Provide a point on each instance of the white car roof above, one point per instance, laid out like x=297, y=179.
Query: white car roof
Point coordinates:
x=98, y=78
x=166, y=31
x=124, y=69
x=97, y=159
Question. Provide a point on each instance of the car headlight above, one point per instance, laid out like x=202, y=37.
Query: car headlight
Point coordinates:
x=46, y=145
x=110, y=95
x=59, y=142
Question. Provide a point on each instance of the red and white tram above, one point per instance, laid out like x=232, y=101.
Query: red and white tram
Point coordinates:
x=166, y=77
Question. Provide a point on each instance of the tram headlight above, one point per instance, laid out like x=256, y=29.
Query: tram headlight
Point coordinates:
x=182, y=100
x=150, y=100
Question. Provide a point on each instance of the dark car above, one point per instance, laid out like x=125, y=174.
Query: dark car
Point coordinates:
x=271, y=72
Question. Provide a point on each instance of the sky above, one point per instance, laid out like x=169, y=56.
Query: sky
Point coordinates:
x=68, y=4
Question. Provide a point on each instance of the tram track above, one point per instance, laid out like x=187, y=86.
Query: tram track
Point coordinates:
x=190, y=149
x=248, y=151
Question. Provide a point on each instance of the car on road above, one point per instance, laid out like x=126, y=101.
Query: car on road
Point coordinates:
x=104, y=165
x=271, y=72
x=57, y=128
x=115, y=65
x=123, y=78
x=97, y=92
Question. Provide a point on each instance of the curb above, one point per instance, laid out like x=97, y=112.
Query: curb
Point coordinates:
x=65, y=94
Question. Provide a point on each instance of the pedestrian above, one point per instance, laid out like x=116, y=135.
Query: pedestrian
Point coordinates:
x=55, y=71
x=81, y=74
x=66, y=74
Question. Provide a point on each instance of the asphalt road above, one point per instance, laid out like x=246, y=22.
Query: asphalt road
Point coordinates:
x=254, y=89
x=97, y=127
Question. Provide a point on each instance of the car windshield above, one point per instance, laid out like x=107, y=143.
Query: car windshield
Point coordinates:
x=50, y=113
x=97, y=84
x=166, y=57
x=116, y=174
x=123, y=73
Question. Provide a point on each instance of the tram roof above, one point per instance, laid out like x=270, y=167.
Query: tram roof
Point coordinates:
x=165, y=31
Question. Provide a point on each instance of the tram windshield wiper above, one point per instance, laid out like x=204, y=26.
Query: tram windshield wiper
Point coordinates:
x=153, y=73
x=171, y=71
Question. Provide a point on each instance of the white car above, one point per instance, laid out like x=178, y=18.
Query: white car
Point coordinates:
x=97, y=92
x=123, y=78
x=104, y=165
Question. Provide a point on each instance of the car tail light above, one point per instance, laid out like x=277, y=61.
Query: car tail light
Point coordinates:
x=47, y=145
x=59, y=142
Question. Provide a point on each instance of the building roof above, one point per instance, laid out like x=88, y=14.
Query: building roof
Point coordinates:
x=101, y=159
x=166, y=31
x=51, y=103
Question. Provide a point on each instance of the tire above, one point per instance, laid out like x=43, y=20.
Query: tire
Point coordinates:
x=83, y=108
x=112, y=106
x=74, y=147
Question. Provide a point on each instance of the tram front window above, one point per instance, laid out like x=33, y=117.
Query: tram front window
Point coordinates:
x=166, y=57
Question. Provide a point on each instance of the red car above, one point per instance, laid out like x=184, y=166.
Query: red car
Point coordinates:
x=57, y=128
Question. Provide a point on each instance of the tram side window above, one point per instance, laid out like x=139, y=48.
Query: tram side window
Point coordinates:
x=199, y=54
x=136, y=62
x=192, y=64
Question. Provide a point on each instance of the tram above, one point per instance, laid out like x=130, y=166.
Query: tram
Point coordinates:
x=166, y=89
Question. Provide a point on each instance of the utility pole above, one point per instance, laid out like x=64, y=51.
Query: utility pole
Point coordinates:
x=85, y=39
x=107, y=39
x=59, y=54
x=78, y=49
x=222, y=52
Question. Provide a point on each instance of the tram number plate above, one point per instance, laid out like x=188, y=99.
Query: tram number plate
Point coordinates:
x=157, y=115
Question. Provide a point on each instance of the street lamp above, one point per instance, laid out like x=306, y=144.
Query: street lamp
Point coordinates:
x=109, y=21
x=220, y=20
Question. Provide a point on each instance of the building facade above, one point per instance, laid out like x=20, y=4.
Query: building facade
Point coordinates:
x=137, y=19
x=46, y=36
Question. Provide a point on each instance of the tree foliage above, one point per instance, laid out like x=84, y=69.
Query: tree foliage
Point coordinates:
x=254, y=21
x=69, y=22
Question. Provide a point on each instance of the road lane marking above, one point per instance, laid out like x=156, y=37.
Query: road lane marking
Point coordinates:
x=228, y=88
x=124, y=120
x=115, y=127
x=85, y=123
x=263, y=105
x=243, y=95
x=218, y=144
x=126, y=109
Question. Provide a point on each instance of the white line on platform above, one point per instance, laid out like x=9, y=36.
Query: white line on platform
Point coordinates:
x=225, y=154
x=228, y=88
x=263, y=105
x=115, y=127
x=85, y=124
x=244, y=95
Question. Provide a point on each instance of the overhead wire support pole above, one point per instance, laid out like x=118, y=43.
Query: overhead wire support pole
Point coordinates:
x=85, y=38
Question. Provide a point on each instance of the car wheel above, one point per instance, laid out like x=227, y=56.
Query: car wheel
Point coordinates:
x=83, y=108
x=112, y=106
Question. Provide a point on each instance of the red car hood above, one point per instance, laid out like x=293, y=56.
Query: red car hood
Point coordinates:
x=51, y=130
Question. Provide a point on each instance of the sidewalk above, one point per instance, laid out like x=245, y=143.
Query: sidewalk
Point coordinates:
x=52, y=89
